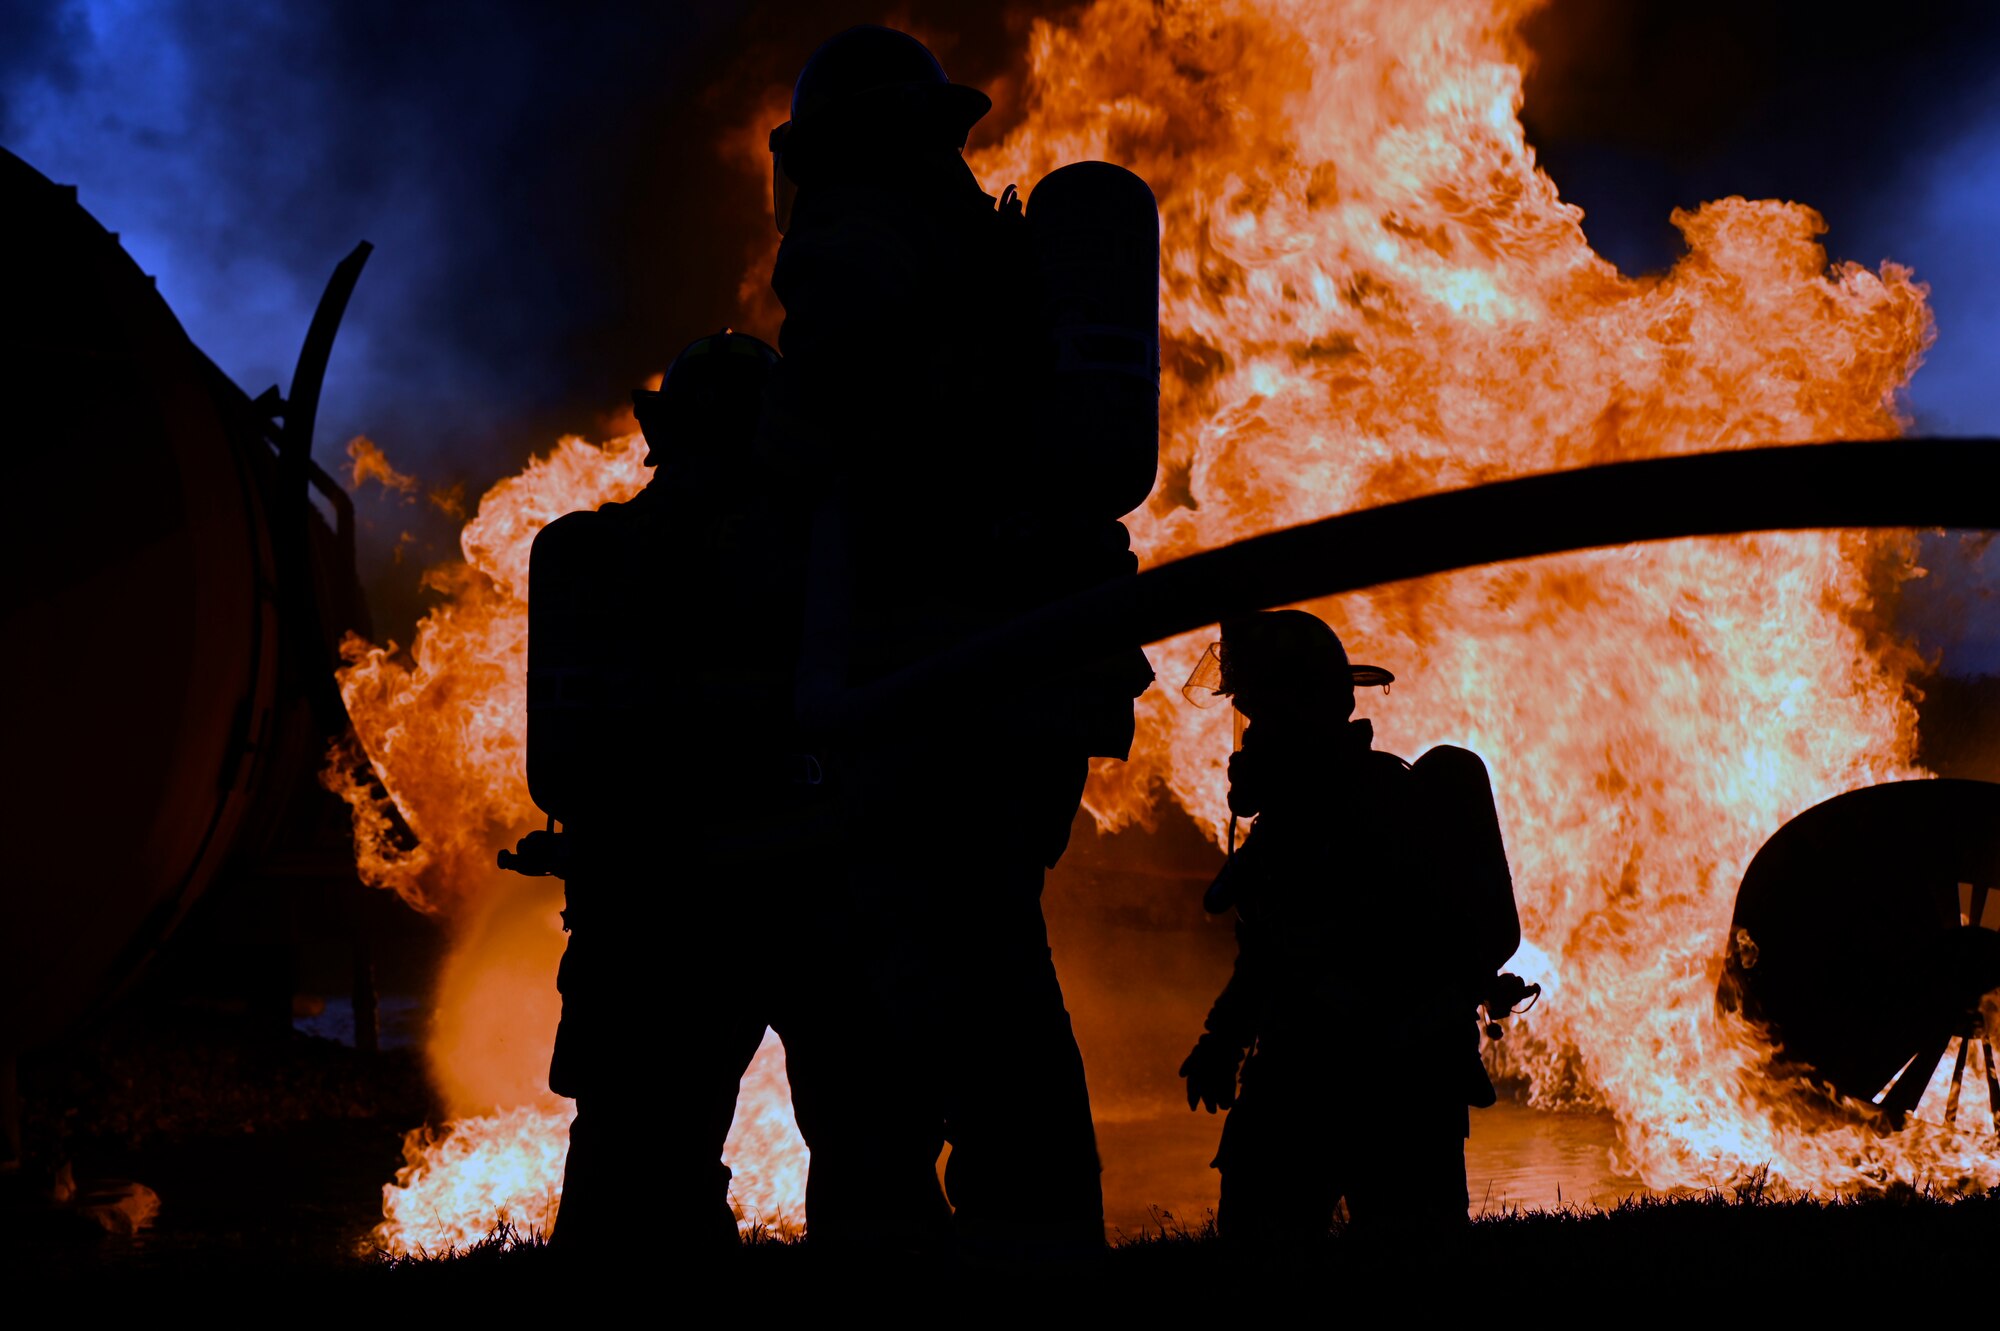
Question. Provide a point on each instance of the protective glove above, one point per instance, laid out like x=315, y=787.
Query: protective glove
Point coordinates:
x=1211, y=1072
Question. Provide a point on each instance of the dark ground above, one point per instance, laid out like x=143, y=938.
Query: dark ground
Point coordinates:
x=267, y=1150
x=270, y=1154
x=1706, y=1256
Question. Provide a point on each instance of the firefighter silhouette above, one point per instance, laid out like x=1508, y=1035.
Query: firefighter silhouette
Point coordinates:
x=971, y=390
x=662, y=644
x=1374, y=908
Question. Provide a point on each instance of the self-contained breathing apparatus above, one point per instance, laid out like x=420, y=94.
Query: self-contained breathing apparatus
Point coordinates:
x=1469, y=864
x=1466, y=857
x=1095, y=232
x=605, y=672
x=1092, y=234
x=1076, y=274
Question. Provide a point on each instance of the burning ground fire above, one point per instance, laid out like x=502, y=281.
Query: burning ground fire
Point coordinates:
x=1369, y=292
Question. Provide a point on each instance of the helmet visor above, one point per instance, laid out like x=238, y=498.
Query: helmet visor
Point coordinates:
x=783, y=192
x=1204, y=686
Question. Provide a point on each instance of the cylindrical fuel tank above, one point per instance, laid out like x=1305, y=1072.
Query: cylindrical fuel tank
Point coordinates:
x=1850, y=938
x=1096, y=236
x=140, y=639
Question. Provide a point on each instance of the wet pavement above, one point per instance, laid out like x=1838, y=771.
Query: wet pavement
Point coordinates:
x=1156, y=1168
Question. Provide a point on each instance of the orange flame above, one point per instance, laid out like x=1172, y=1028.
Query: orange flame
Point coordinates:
x=367, y=462
x=458, y=1184
x=1370, y=292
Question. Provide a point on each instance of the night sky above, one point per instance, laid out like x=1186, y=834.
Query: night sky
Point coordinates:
x=555, y=213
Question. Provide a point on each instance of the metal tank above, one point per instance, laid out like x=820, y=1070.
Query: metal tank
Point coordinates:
x=1095, y=230
x=1867, y=931
x=173, y=605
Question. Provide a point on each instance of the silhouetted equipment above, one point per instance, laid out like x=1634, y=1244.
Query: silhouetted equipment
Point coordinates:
x=1507, y=996
x=543, y=854
x=865, y=86
x=1279, y=654
x=603, y=673
x=1095, y=229
x=710, y=386
x=1374, y=907
x=1281, y=649
x=878, y=76
x=1277, y=651
x=1454, y=799
x=1866, y=932
x=591, y=683
x=173, y=624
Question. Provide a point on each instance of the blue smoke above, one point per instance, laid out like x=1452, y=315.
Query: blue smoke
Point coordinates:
x=1942, y=217
x=238, y=165
x=240, y=149
x=1944, y=221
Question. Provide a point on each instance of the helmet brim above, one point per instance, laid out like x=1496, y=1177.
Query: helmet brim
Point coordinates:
x=955, y=106
x=1204, y=686
x=959, y=106
x=1370, y=677
x=952, y=109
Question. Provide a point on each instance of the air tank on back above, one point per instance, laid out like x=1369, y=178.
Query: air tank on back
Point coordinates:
x=1096, y=236
x=587, y=704
x=601, y=679
x=173, y=599
x=1472, y=861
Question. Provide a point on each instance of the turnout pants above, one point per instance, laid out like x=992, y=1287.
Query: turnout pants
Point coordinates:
x=1298, y=1143
x=661, y=1019
x=985, y=1013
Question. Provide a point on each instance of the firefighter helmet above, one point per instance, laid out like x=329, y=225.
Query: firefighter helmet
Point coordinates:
x=873, y=84
x=713, y=387
x=1286, y=650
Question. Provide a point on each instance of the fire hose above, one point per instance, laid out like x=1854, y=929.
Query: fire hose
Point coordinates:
x=1927, y=483
x=1874, y=483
